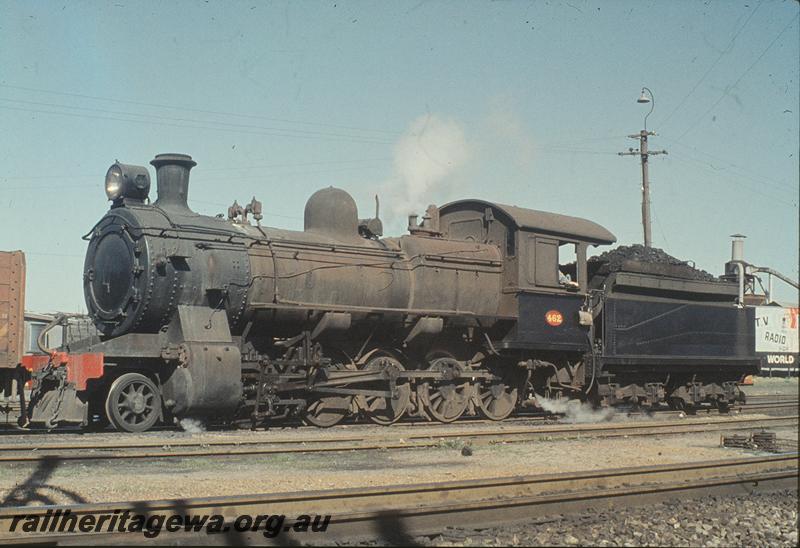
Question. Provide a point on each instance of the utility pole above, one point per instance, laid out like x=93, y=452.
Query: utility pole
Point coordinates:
x=644, y=153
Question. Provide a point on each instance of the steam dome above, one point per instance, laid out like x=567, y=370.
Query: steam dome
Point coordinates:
x=332, y=211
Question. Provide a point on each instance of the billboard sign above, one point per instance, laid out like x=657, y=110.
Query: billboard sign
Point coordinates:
x=777, y=334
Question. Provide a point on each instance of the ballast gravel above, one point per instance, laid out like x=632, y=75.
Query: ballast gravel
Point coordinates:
x=756, y=519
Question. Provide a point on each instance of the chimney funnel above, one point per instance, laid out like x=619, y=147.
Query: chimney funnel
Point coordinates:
x=737, y=247
x=172, y=175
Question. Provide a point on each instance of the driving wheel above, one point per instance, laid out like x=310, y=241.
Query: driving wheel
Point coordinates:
x=387, y=410
x=327, y=411
x=445, y=398
x=497, y=399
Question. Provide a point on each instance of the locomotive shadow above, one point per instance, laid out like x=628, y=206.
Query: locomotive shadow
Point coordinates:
x=34, y=490
x=391, y=529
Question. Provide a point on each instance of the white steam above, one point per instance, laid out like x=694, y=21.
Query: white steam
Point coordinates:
x=576, y=411
x=192, y=426
x=508, y=129
x=425, y=156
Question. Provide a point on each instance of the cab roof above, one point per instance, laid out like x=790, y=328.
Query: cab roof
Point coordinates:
x=539, y=221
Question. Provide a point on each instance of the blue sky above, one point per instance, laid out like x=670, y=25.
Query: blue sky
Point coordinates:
x=421, y=102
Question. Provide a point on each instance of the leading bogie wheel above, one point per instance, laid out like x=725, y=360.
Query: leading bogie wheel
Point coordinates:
x=133, y=403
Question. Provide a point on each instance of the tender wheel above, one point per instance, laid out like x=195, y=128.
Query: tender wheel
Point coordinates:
x=133, y=403
x=497, y=399
x=447, y=398
x=383, y=410
x=327, y=411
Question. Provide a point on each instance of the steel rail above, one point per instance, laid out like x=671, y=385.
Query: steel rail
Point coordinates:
x=13, y=432
x=772, y=397
x=414, y=422
x=760, y=406
x=13, y=453
x=438, y=431
x=432, y=506
x=752, y=401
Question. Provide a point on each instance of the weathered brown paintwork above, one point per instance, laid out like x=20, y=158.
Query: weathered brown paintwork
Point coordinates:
x=330, y=267
x=12, y=308
x=480, y=307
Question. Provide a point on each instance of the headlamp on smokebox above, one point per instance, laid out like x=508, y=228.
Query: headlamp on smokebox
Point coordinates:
x=127, y=182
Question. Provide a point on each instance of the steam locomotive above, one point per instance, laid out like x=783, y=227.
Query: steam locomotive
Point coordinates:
x=480, y=308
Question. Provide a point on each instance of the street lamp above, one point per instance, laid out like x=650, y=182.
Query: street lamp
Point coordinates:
x=644, y=99
x=643, y=153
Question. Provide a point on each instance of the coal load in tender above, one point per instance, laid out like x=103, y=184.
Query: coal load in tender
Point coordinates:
x=638, y=258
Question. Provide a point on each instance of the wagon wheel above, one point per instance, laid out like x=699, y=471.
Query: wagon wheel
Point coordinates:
x=383, y=410
x=498, y=398
x=133, y=403
x=447, y=398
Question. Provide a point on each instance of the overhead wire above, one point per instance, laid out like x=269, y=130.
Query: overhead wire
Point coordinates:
x=242, y=167
x=189, y=120
x=739, y=79
x=206, y=127
x=189, y=109
x=586, y=140
x=737, y=170
x=722, y=54
x=195, y=180
x=575, y=151
x=778, y=200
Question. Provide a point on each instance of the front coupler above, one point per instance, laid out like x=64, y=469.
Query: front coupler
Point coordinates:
x=58, y=394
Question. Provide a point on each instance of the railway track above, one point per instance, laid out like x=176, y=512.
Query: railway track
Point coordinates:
x=265, y=444
x=771, y=397
x=402, y=510
x=755, y=404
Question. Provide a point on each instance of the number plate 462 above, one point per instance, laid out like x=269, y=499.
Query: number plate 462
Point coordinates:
x=554, y=318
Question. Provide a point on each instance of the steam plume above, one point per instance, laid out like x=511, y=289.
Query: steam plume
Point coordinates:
x=427, y=153
x=576, y=411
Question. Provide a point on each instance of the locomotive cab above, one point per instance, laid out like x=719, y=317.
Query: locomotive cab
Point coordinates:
x=545, y=286
x=543, y=253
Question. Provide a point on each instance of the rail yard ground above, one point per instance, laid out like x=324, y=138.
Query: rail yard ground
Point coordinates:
x=760, y=518
x=107, y=481
x=756, y=519
x=772, y=386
